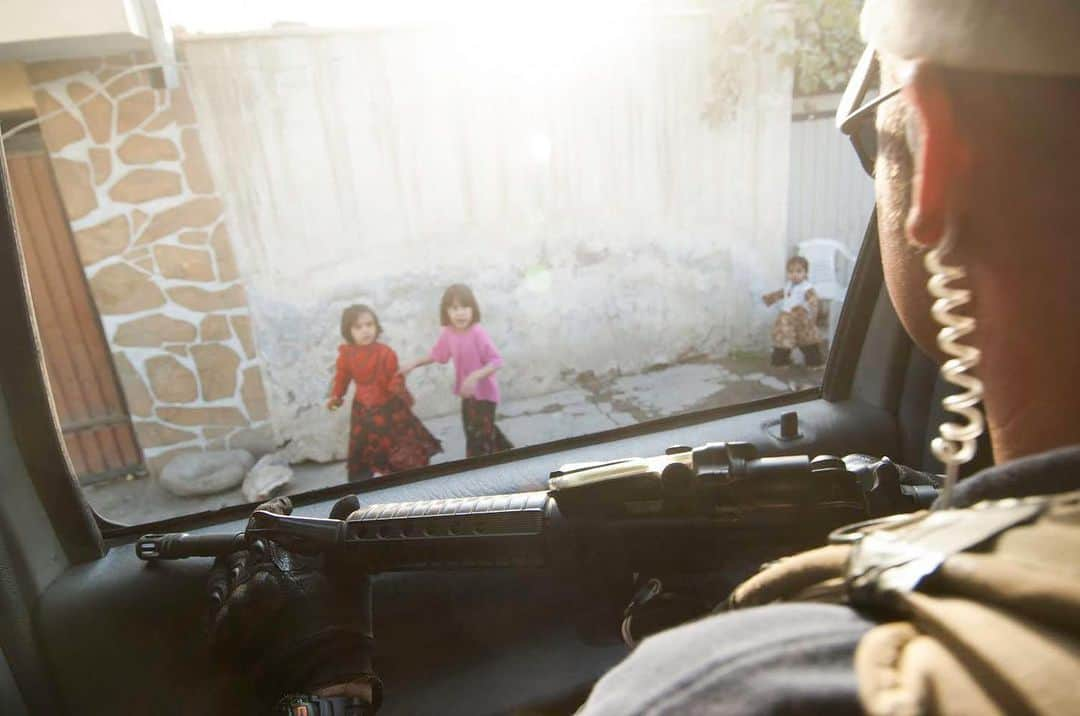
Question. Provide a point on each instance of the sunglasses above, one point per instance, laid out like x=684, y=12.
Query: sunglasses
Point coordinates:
x=856, y=119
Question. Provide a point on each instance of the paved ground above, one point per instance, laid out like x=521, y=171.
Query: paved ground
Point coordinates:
x=590, y=404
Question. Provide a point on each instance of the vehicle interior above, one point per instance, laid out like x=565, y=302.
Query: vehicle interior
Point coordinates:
x=88, y=627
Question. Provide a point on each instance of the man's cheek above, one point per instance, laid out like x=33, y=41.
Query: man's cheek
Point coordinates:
x=905, y=278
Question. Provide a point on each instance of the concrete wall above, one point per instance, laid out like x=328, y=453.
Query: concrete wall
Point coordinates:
x=148, y=226
x=571, y=181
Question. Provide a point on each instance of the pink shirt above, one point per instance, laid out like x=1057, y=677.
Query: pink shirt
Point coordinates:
x=470, y=350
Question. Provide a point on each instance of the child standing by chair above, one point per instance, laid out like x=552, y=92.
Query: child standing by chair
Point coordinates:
x=384, y=435
x=795, y=326
x=476, y=359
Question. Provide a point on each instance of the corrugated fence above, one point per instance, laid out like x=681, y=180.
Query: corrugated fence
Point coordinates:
x=831, y=196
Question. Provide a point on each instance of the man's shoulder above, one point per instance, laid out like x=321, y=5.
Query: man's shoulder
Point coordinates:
x=1047, y=473
x=768, y=660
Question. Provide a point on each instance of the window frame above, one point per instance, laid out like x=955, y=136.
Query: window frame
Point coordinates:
x=26, y=392
x=83, y=531
x=836, y=386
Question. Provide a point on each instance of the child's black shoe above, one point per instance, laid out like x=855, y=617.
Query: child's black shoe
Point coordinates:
x=812, y=354
x=780, y=357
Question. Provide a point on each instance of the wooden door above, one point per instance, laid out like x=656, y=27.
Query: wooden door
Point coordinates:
x=89, y=404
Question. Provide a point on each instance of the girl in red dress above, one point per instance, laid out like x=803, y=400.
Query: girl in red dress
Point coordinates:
x=384, y=435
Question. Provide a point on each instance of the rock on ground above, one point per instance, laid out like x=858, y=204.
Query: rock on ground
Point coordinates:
x=270, y=474
x=206, y=473
x=322, y=437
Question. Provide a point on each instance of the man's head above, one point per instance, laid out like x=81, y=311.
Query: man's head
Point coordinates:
x=996, y=161
x=983, y=143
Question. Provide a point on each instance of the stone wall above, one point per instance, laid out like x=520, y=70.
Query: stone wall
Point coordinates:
x=149, y=228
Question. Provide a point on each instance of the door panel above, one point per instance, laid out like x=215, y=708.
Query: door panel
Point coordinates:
x=11, y=702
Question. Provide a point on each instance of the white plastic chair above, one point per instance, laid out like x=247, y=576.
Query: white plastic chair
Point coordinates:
x=829, y=275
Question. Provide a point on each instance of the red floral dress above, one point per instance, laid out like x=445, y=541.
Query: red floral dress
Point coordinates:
x=384, y=435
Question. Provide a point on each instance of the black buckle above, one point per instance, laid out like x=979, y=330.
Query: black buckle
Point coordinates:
x=895, y=560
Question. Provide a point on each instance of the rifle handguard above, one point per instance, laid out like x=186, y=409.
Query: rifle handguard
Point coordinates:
x=466, y=532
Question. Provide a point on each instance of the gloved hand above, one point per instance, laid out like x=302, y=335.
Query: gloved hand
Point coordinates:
x=294, y=623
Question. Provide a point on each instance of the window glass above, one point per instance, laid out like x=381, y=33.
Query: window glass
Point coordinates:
x=277, y=247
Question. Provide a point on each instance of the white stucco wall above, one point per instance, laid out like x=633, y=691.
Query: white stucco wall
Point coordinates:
x=565, y=173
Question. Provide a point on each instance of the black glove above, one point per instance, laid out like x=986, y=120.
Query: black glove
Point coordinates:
x=293, y=623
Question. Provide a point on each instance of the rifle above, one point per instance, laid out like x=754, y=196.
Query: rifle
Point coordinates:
x=687, y=511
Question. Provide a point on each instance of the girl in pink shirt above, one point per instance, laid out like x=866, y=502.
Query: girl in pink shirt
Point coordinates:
x=476, y=359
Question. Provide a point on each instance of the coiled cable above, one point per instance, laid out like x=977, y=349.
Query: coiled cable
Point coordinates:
x=956, y=443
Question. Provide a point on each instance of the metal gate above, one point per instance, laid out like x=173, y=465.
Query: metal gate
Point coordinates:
x=89, y=404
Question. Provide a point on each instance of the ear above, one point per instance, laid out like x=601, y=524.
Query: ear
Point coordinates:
x=942, y=156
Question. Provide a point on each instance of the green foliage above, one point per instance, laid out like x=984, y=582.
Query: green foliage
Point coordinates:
x=828, y=44
x=821, y=44
x=739, y=43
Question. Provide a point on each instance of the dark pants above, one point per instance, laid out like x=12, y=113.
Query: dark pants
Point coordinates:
x=386, y=439
x=811, y=353
x=482, y=436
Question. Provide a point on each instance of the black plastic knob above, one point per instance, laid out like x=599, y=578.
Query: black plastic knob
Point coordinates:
x=789, y=425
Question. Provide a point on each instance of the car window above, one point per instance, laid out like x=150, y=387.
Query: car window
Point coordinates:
x=290, y=247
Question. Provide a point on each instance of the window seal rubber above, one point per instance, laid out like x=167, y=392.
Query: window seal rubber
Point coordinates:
x=855, y=314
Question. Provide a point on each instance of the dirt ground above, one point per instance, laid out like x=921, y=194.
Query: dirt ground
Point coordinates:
x=589, y=403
